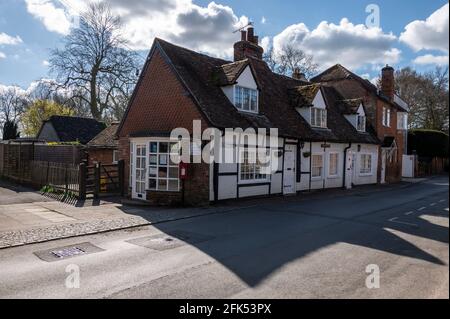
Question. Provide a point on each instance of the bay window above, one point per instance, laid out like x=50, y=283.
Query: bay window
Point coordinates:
x=163, y=171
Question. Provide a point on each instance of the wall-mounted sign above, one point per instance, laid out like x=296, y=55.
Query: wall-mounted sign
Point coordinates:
x=325, y=145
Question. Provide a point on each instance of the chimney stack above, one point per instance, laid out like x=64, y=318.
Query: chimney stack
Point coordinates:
x=299, y=75
x=388, y=82
x=248, y=46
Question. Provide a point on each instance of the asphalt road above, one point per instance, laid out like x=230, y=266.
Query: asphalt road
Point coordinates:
x=313, y=248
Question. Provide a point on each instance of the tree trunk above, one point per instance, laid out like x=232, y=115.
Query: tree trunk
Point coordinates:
x=94, y=105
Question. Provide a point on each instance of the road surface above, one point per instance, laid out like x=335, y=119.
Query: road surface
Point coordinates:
x=311, y=248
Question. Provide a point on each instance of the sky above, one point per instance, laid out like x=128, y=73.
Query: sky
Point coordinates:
x=361, y=35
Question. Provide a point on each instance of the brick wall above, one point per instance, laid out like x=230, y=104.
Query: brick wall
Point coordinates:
x=100, y=155
x=161, y=104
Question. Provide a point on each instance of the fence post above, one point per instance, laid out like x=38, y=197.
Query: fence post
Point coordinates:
x=82, y=181
x=97, y=179
x=66, y=178
x=121, y=171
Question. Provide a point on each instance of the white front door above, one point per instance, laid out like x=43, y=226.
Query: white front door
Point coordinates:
x=349, y=167
x=140, y=171
x=383, y=167
x=289, y=175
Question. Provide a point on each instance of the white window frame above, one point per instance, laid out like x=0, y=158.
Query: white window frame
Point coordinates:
x=115, y=156
x=250, y=91
x=329, y=165
x=361, y=128
x=264, y=177
x=317, y=177
x=158, y=164
x=361, y=162
x=323, y=117
x=386, y=116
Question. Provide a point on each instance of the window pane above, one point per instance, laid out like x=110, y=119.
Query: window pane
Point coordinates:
x=162, y=171
x=152, y=172
x=162, y=184
x=153, y=147
x=173, y=185
x=163, y=147
x=238, y=97
x=153, y=159
x=163, y=159
x=174, y=148
x=173, y=172
x=152, y=184
x=246, y=102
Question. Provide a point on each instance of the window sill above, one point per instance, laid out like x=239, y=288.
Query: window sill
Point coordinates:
x=162, y=191
x=319, y=178
x=255, y=181
x=334, y=177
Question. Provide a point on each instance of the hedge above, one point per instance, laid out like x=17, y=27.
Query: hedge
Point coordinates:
x=429, y=143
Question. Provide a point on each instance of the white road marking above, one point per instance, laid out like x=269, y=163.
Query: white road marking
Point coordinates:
x=409, y=213
x=394, y=220
x=433, y=204
x=421, y=208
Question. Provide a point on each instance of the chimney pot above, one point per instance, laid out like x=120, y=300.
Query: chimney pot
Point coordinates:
x=255, y=39
x=248, y=46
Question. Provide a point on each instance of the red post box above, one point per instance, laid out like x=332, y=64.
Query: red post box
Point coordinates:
x=183, y=171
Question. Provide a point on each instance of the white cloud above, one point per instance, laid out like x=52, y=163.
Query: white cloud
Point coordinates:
x=431, y=59
x=6, y=39
x=2, y=55
x=208, y=29
x=265, y=43
x=346, y=43
x=56, y=15
x=263, y=20
x=431, y=34
x=45, y=63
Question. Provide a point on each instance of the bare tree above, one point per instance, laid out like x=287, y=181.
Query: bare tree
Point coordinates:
x=289, y=59
x=94, y=65
x=427, y=96
x=13, y=102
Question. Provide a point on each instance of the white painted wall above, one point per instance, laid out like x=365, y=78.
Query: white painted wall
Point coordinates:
x=362, y=179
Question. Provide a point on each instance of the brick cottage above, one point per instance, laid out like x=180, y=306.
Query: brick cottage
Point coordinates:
x=330, y=131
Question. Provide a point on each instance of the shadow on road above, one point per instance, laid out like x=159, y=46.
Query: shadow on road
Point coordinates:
x=254, y=242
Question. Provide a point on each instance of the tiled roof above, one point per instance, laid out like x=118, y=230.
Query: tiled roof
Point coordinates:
x=72, y=128
x=203, y=76
x=339, y=72
x=106, y=138
x=303, y=96
x=349, y=106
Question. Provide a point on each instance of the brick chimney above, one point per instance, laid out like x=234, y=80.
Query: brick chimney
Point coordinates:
x=388, y=82
x=248, y=46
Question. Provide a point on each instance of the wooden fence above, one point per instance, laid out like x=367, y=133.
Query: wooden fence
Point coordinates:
x=58, y=176
x=101, y=179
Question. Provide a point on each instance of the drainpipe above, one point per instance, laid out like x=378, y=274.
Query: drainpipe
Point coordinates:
x=345, y=163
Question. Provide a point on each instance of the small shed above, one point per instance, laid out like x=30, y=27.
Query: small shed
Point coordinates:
x=103, y=148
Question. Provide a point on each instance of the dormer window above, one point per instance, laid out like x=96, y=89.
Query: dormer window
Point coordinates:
x=246, y=99
x=361, y=123
x=318, y=117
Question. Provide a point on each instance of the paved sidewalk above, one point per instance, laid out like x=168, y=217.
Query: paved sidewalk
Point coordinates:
x=39, y=218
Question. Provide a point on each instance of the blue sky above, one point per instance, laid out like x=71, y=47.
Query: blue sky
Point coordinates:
x=30, y=28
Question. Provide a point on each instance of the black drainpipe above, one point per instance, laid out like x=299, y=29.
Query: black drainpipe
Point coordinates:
x=345, y=162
